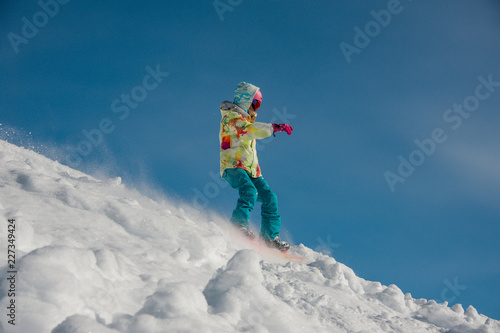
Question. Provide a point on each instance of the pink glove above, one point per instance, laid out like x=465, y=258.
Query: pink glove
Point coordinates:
x=283, y=128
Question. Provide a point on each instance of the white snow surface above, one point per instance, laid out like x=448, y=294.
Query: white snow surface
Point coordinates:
x=97, y=256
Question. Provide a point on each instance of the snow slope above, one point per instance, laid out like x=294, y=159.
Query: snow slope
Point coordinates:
x=95, y=256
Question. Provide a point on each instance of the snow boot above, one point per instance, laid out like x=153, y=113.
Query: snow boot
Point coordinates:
x=278, y=244
x=247, y=233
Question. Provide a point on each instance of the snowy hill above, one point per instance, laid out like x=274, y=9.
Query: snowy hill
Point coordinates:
x=95, y=256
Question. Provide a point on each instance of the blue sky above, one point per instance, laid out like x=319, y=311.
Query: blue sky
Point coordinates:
x=145, y=81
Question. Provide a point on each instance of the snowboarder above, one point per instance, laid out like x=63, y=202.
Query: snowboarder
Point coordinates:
x=239, y=165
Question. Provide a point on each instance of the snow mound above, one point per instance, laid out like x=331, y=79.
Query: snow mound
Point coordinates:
x=95, y=256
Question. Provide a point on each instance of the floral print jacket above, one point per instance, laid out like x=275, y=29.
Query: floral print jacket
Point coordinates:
x=238, y=133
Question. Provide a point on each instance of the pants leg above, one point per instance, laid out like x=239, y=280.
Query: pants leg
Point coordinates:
x=271, y=220
x=240, y=180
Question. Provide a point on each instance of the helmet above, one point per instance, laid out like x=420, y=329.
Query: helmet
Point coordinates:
x=258, y=96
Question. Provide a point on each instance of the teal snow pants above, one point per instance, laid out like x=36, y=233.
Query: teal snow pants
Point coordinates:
x=252, y=190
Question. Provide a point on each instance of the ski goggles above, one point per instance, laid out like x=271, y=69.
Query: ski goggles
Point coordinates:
x=256, y=104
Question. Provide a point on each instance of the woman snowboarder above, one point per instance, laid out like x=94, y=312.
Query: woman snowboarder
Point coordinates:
x=239, y=165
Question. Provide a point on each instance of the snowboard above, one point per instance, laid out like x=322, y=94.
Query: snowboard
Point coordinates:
x=270, y=253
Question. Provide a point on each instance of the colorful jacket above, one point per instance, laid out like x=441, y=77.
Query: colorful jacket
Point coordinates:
x=238, y=134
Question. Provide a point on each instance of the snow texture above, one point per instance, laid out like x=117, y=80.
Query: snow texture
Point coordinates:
x=96, y=256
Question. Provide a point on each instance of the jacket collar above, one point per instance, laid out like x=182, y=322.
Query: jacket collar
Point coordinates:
x=230, y=106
